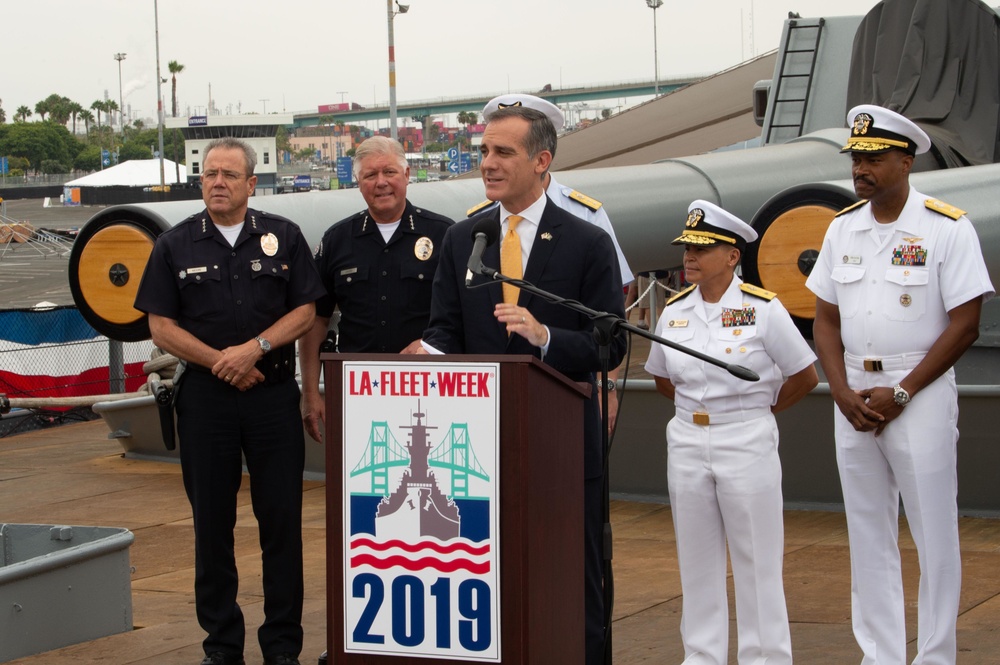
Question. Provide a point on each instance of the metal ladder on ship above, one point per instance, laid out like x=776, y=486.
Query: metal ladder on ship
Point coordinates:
x=797, y=33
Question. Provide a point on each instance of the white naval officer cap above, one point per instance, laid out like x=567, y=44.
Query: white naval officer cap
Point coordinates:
x=708, y=224
x=527, y=101
x=875, y=129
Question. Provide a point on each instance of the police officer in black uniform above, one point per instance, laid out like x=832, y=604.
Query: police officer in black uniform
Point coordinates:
x=377, y=267
x=228, y=291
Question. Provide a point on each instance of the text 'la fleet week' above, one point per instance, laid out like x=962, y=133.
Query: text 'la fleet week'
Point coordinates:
x=420, y=383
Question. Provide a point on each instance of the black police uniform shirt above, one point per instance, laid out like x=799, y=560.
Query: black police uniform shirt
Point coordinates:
x=225, y=295
x=383, y=289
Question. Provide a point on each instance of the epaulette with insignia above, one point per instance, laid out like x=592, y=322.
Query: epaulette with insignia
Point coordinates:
x=585, y=200
x=757, y=291
x=682, y=294
x=852, y=207
x=476, y=208
x=943, y=208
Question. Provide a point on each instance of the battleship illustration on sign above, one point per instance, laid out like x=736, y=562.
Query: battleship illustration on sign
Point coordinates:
x=418, y=507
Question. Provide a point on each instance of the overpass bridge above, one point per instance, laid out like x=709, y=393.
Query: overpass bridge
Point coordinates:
x=443, y=105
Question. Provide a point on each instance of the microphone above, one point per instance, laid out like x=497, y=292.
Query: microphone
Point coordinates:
x=484, y=234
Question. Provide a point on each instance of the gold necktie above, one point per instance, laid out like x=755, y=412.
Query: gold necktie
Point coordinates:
x=510, y=259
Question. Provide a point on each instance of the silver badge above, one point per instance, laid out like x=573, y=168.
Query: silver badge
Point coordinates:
x=423, y=248
x=255, y=265
x=182, y=274
x=269, y=243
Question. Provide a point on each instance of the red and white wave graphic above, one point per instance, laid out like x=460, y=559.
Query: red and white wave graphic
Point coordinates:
x=443, y=556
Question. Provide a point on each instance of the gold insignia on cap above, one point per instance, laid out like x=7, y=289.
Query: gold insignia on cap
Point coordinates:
x=505, y=106
x=269, y=244
x=696, y=215
x=862, y=122
x=423, y=248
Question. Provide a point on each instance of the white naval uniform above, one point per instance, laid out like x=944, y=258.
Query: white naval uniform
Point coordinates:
x=564, y=198
x=725, y=477
x=895, y=312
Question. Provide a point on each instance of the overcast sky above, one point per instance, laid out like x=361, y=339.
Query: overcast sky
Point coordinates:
x=299, y=54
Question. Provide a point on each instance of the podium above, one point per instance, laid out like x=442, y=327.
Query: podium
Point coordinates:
x=528, y=587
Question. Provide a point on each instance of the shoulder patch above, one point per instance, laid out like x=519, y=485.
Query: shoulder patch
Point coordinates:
x=476, y=208
x=757, y=291
x=585, y=200
x=852, y=207
x=943, y=208
x=682, y=294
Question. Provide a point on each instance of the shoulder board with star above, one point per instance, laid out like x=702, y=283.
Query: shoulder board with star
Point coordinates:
x=852, y=207
x=585, y=200
x=943, y=208
x=686, y=292
x=476, y=208
x=753, y=290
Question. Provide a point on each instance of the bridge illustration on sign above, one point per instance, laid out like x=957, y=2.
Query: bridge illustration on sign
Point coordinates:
x=417, y=506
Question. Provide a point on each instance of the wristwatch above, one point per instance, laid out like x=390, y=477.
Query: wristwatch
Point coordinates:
x=265, y=345
x=900, y=395
x=611, y=385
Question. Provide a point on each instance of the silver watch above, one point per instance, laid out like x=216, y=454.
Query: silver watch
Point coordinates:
x=900, y=395
x=611, y=385
x=265, y=345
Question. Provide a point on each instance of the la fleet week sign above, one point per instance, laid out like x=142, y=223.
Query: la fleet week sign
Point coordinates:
x=421, y=458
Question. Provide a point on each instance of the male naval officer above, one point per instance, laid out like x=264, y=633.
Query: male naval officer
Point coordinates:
x=377, y=266
x=570, y=200
x=900, y=282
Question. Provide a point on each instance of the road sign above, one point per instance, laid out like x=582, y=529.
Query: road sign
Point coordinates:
x=105, y=158
x=4, y=165
x=452, y=153
x=344, y=170
x=453, y=166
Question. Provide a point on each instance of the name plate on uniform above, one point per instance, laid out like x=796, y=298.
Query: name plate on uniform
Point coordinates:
x=421, y=461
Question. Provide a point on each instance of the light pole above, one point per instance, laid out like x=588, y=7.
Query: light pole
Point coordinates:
x=159, y=94
x=654, y=5
x=121, y=98
x=265, y=101
x=392, y=65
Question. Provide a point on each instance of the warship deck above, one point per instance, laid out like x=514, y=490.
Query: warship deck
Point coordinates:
x=74, y=475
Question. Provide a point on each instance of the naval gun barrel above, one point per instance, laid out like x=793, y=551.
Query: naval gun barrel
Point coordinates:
x=647, y=205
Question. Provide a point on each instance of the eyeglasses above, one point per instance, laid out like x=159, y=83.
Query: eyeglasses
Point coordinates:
x=228, y=176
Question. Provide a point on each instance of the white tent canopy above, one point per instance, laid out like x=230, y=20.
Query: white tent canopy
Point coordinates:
x=133, y=173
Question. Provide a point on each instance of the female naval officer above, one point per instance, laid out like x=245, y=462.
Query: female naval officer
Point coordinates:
x=723, y=470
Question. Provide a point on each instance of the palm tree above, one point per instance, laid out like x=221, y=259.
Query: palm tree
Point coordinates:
x=21, y=114
x=98, y=106
x=87, y=118
x=175, y=69
x=74, y=110
x=111, y=106
x=3, y=114
x=41, y=108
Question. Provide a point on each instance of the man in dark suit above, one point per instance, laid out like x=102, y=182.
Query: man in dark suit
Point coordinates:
x=557, y=252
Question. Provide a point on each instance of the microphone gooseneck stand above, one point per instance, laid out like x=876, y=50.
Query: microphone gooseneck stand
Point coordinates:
x=606, y=327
